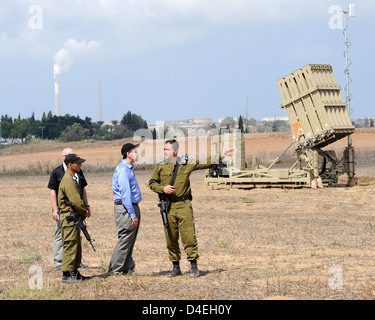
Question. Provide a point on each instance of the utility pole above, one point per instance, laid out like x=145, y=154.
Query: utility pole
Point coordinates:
x=247, y=115
x=100, y=102
x=42, y=127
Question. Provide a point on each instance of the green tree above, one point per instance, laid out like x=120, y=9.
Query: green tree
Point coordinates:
x=228, y=122
x=133, y=121
x=75, y=133
x=6, y=128
x=21, y=128
x=240, y=124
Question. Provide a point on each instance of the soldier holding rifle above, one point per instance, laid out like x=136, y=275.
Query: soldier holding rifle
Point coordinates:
x=179, y=211
x=53, y=184
x=69, y=189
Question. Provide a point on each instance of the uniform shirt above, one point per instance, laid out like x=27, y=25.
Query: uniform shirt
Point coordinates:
x=163, y=172
x=69, y=187
x=125, y=187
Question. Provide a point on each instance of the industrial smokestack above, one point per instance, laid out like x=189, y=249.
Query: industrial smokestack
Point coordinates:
x=57, y=90
x=100, y=107
x=57, y=99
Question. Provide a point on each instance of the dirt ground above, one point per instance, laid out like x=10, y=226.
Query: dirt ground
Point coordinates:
x=254, y=244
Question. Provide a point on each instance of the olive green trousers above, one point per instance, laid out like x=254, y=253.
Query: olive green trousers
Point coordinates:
x=71, y=239
x=181, y=222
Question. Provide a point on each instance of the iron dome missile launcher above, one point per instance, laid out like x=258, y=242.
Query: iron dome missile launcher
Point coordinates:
x=318, y=117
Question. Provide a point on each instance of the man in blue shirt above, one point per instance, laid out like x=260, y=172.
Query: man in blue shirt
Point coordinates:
x=126, y=195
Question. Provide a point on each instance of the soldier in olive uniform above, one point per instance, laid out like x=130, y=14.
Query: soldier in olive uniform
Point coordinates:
x=180, y=212
x=72, y=253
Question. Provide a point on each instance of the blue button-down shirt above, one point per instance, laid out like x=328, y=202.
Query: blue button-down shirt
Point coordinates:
x=125, y=187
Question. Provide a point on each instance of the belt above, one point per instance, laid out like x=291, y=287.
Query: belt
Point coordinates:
x=120, y=203
x=188, y=197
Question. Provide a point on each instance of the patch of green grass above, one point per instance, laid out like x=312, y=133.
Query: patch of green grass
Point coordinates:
x=29, y=256
x=248, y=202
x=223, y=243
x=48, y=292
x=337, y=244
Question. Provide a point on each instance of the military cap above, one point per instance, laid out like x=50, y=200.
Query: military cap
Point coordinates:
x=73, y=158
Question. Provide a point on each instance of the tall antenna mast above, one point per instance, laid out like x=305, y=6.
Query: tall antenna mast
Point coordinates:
x=57, y=90
x=247, y=115
x=349, y=150
x=100, y=107
x=348, y=14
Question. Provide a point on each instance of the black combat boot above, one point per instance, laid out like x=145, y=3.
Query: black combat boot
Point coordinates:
x=176, y=271
x=78, y=275
x=194, y=269
x=65, y=277
x=72, y=277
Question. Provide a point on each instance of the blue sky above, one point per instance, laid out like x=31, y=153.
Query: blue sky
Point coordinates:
x=175, y=59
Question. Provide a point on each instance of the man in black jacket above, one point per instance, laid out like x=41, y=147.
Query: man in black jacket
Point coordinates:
x=56, y=175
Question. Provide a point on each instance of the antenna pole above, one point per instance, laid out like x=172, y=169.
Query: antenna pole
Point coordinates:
x=349, y=152
x=347, y=78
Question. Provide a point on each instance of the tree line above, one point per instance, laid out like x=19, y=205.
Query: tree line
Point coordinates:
x=69, y=128
x=252, y=125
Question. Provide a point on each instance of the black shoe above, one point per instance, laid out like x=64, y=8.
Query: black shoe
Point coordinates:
x=80, y=277
x=176, y=271
x=73, y=277
x=194, y=273
x=70, y=277
x=66, y=277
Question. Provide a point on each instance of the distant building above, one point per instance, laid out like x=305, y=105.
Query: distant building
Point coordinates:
x=194, y=123
x=276, y=119
x=107, y=124
x=9, y=141
x=202, y=120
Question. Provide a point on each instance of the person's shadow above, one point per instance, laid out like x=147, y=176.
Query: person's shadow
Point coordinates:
x=202, y=273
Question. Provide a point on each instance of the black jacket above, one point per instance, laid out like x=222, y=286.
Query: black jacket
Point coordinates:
x=56, y=176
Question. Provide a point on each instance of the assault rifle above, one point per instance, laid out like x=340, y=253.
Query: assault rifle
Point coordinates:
x=163, y=204
x=79, y=221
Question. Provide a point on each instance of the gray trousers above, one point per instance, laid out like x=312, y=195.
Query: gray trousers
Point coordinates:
x=122, y=261
x=57, y=246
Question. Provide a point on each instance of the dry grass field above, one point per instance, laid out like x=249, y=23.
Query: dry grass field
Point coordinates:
x=254, y=244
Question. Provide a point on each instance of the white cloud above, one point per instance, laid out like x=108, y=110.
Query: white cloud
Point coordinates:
x=133, y=26
x=73, y=50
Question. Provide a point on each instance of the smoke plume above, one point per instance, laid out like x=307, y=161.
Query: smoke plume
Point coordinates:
x=72, y=51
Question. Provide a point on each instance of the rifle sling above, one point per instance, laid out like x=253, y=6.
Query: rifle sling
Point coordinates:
x=163, y=196
x=174, y=173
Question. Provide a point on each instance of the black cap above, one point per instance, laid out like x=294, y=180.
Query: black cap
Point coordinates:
x=128, y=147
x=73, y=158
